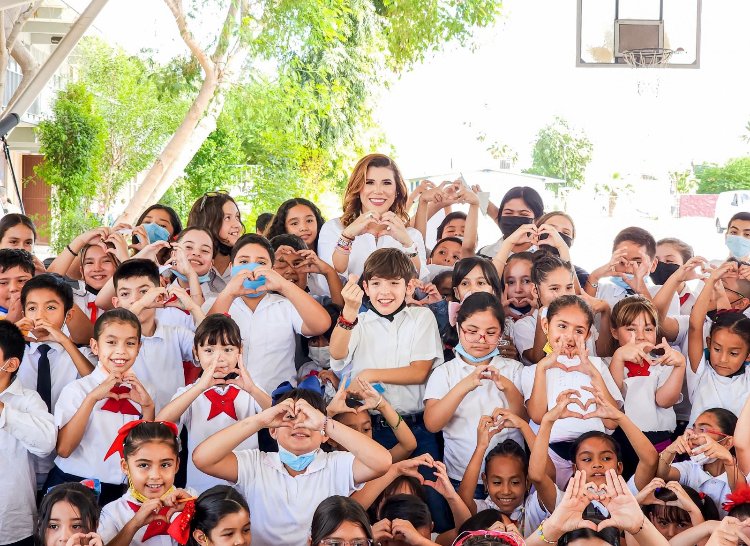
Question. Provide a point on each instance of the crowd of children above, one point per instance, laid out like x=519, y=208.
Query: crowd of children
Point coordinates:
x=372, y=379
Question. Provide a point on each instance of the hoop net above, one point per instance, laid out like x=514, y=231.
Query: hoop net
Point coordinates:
x=649, y=62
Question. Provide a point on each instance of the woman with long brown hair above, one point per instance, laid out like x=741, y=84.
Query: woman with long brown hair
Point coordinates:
x=374, y=217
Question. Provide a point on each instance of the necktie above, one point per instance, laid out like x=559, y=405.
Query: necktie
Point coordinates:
x=637, y=370
x=120, y=405
x=156, y=527
x=94, y=310
x=44, y=376
x=222, y=403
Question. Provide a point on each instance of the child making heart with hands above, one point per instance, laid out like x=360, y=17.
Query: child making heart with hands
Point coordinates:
x=68, y=516
x=149, y=458
x=222, y=395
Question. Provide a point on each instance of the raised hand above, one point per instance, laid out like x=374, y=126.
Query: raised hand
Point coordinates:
x=561, y=408
x=624, y=511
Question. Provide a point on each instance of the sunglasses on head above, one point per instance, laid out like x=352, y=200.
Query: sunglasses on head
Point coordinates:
x=208, y=194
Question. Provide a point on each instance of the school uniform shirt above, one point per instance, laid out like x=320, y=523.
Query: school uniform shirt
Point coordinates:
x=379, y=343
x=526, y=517
x=570, y=428
x=172, y=316
x=117, y=514
x=640, y=399
x=364, y=245
x=159, y=362
x=87, y=460
x=524, y=331
x=708, y=389
x=268, y=341
x=282, y=506
x=27, y=430
x=62, y=373
x=693, y=475
x=204, y=418
x=460, y=433
x=86, y=301
x=317, y=285
x=612, y=293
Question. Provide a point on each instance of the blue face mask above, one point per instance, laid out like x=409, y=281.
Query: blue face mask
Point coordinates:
x=296, y=462
x=248, y=283
x=156, y=232
x=618, y=281
x=739, y=247
x=473, y=359
x=201, y=278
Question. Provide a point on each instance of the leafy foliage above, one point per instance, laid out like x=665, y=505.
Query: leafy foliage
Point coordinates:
x=734, y=175
x=561, y=152
x=73, y=143
x=683, y=181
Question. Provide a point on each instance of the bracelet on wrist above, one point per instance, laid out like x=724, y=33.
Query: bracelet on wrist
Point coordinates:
x=400, y=420
x=380, y=401
x=540, y=532
x=344, y=324
x=325, y=424
x=643, y=522
x=71, y=250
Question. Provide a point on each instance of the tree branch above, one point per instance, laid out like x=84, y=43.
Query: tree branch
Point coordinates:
x=230, y=22
x=23, y=16
x=175, y=6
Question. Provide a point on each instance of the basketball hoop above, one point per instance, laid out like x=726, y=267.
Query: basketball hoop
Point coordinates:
x=649, y=61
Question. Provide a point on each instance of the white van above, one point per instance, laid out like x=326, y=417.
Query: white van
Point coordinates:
x=728, y=204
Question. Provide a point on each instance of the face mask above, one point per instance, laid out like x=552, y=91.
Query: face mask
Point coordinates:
x=320, y=355
x=662, y=272
x=248, y=283
x=389, y=316
x=3, y=310
x=520, y=310
x=296, y=462
x=201, y=278
x=474, y=359
x=619, y=281
x=155, y=233
x=509, y=224
x=739, y=247
x=701, y=459
x=567, y=239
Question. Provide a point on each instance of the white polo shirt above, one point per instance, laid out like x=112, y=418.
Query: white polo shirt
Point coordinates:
x=693, y=475
x=379, y=343
x=526, y=517
x=159, y=362
x=460, y=432
x=708, y=389
x=174, y=317
x=640, y=400
x=570, y=428
x=195, y=419
x=87, y=460
x=26, y=430
x=282, y=506
x=612, y=293
x=117, y=514
x=364, y=245
x=268, y=339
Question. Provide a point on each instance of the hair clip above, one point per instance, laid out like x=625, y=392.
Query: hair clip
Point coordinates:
x=737, y=498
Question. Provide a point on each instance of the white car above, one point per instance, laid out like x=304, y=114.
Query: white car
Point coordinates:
x=728, y=204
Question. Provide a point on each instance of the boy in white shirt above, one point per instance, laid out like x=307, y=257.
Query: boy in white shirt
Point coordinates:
x=51, y=361
x=163, y=348
x=270, y=310
x=26, y=429
x=283, y=489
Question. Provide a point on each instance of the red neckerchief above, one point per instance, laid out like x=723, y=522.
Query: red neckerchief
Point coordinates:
x=684, y=298
x=222, y=403
x=156, y=527
x=121, y=405
x=638, y=370
x=94, y=310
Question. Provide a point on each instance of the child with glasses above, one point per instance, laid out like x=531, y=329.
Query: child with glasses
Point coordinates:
x=712, y=467
x=340, y=521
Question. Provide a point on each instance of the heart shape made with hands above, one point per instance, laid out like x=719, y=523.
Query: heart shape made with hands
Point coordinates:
x=569, y=362
x=582, y=402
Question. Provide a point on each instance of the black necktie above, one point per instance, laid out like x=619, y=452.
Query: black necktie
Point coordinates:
x=44, y=376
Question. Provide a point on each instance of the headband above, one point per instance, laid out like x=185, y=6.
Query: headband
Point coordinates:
x=311, y=383
x=511, y=539
x=119, y=442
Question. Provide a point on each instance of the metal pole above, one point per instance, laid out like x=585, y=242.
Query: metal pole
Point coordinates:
x=6, y=150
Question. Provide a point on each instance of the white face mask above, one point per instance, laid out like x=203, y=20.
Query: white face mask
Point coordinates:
x=701, y=459
x=320, y=355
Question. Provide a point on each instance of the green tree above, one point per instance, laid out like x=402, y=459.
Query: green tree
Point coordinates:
x=561, y=152
x=73, y=143
x=683, y=181
x=734, y=175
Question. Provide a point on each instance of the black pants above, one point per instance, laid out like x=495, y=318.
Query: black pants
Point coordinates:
x=110, y=491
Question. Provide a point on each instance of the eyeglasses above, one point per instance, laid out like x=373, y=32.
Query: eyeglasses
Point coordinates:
x=355, y=542
x=707, y=430
x=474, y=337
x=210, y=194
x=511, y=539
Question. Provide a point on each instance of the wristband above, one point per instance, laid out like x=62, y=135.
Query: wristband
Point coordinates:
x=341, y=322
x=71, y=250
x=323, y=428
x=400, y=420
x=540, y=532
x=411, y=251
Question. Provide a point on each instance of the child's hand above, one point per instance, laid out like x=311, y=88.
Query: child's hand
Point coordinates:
x=151, y=250
x=176, y=500
x=527, y=233
x=597, y=306
x=410, y=467
x=138, y=392
x=278, y=416
x=671, y=357
x=681, y=445
x=683, y=499
x=274, y=281
x=504, y=419
x=244, y=381
x=26, y=325
x=635, y=352
x=84, y=539
x=730, y=532
x=119, y=248
x=585, y=367
x=727, y=269
x=553, y=238
x=352, y=295
x=642, y=270
x=604, y=409
x=403, y=530
x=646, y=495
x=371, y=398
x=308, y=417
x=178, y=260
x=235, y=285
x=561, y=410
x=102, y=391
x=209, y=378
x=608, y=269
x=337, y=405
x=96, y=237
x=433, y=294
x=329, y=376
x=713, y=449
x=442, y=483
x=432, y=193
x=148, y=512
x=381, y=531
x=467, y=195
x=44, y=331
x=500, y=381
x=312, y=263
x=486, y=429
x=475, y=378
x=177, y=296
x=154, y=298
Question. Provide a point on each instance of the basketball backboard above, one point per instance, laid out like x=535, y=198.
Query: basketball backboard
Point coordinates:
x=606, y=28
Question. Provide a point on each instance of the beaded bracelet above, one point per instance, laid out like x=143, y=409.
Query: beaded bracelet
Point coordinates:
x=540, y=532
x=341, y=322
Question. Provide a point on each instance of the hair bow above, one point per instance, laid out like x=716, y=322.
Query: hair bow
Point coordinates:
x=122, y=434
x=310, y=383
x=179, y=529
x=453, y=309
x=505, y=537
x=739, y=497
